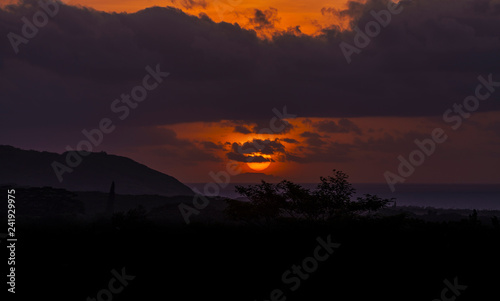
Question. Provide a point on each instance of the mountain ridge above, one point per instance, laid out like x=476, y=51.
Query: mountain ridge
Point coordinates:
x=95, y=173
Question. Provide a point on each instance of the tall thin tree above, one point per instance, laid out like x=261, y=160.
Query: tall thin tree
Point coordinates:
x=110, y=205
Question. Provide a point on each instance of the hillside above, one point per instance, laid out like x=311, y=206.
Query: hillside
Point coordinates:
x=95, y=173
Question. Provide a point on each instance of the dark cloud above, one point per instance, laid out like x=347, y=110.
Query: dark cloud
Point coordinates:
x=211, y=145
x=66, y=77
x=390, y=143
x=310, y=135
x=333, y=152
x=343, y=126
x=264, y=127
x=242, y=129
x=267, y=147
x=261, y=126
x=313, y=139
x=264, y=19
x=241, y=151
x=158, y=141
x=290, y=140
x=354, y=10
x=293, y=30
x=247, y=159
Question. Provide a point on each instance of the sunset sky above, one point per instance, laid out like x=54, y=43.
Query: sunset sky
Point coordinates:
x=281, y=14
x=231, y=62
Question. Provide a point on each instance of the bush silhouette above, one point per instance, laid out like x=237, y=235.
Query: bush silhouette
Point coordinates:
x=332, y=199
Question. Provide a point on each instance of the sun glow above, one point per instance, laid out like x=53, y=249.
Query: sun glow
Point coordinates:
x=258, y=166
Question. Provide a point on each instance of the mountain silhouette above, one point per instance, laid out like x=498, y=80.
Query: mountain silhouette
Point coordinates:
x=94, y=173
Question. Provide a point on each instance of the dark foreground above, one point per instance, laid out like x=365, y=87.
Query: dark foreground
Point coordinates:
x=393, y=258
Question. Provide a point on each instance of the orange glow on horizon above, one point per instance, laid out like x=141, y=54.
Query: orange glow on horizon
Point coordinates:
x=223, y=135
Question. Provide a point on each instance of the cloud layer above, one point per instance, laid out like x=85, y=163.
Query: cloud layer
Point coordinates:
x=427, y=58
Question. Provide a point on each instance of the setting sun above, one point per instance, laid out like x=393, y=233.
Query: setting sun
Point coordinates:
x=258, y=166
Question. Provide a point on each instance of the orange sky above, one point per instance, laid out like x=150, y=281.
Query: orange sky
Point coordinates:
x=303, y=13
x=377, y=154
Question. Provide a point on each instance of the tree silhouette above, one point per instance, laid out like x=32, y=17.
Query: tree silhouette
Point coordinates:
x=332, y=199
x=110, y=205
x=299, y=201
x=266, y=202
x=334, y=195
x=494, y=222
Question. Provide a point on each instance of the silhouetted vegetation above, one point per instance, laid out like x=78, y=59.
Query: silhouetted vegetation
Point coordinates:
x=47, y=202
x=110, y=205
x=397, y=255
x=333, y=199
x=132, y=218
x=389, y=258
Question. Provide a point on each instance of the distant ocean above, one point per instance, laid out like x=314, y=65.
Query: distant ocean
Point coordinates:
x=447, y=196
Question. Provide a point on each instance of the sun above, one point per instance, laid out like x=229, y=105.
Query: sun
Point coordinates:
x=259, y=166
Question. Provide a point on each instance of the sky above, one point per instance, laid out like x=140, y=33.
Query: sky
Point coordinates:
x=281, y=14
x=233, y=64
